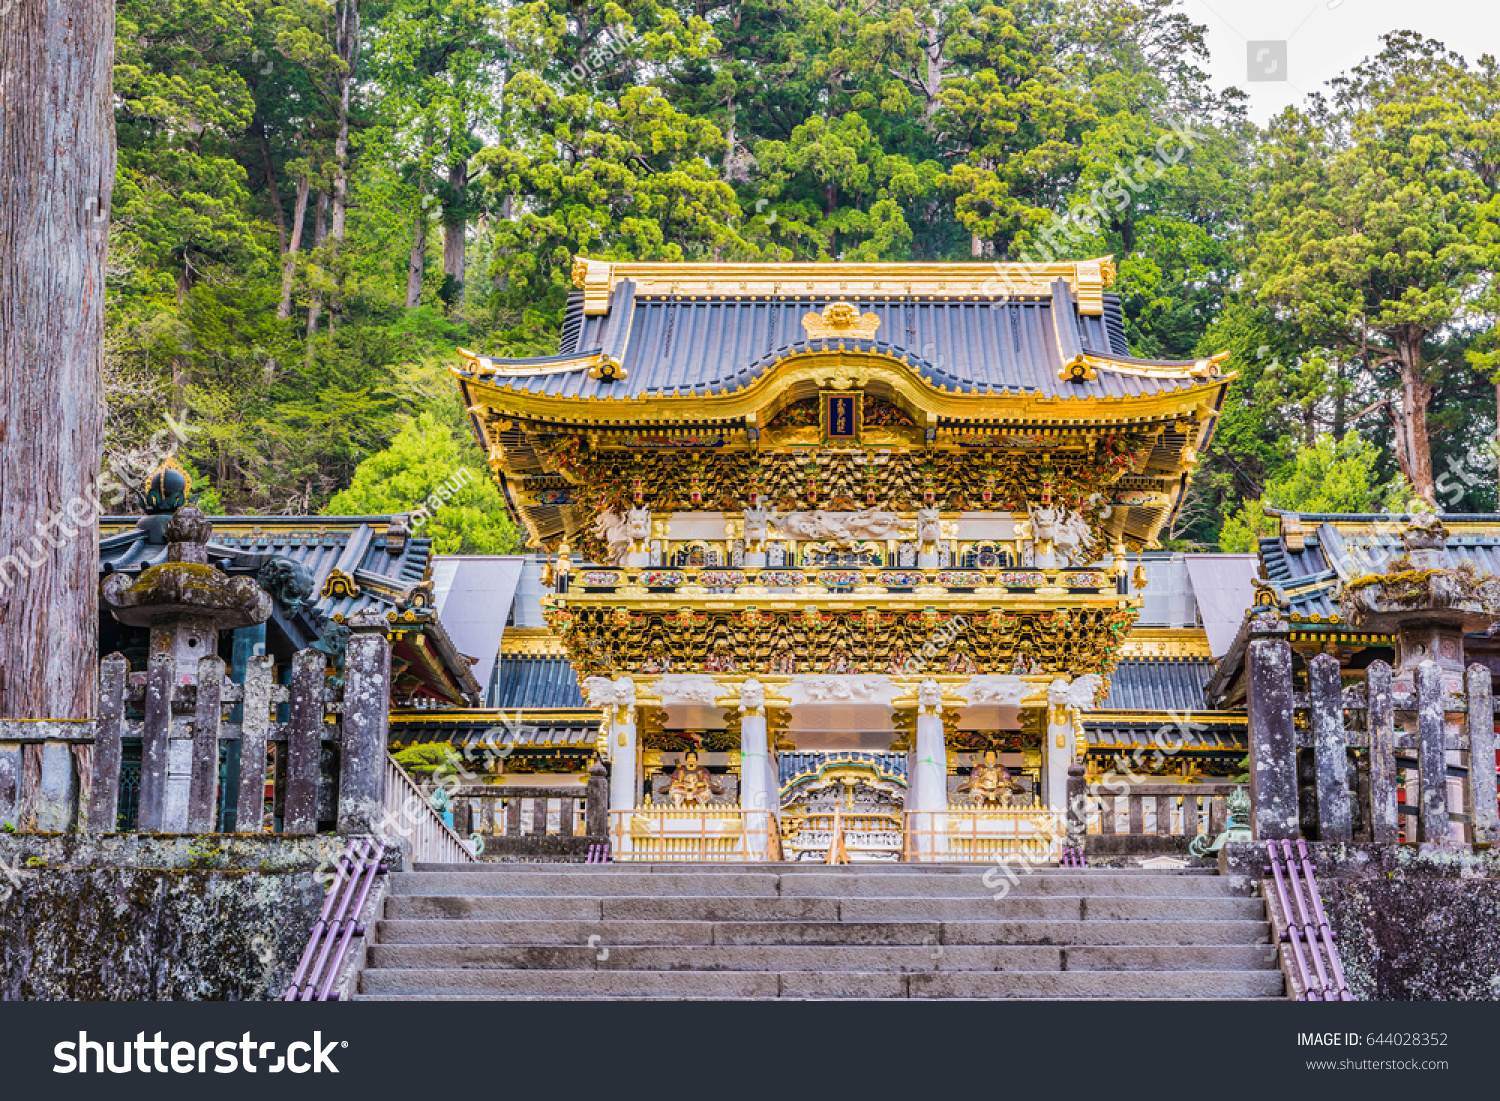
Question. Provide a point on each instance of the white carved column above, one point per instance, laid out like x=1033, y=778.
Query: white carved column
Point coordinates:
x=617, y=700
x=1058, y=748
x=927, y=772
x=929, y=533
x=758, y=796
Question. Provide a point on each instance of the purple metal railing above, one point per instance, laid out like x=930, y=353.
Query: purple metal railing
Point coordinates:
x=1072, y=857
x=598, y=854
x=328, y=944
x=1307, y=927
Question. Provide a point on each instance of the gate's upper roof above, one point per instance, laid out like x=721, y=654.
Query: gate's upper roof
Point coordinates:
x=635, y=331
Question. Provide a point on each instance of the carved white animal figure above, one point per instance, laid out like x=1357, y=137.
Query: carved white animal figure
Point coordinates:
x=929, y=526
x=752, y=695
x=600, y=691
x=757, y=524
x=1006, y=691
x=638, y=524
x=840, y=688
x=1079, y=694
x=842, y=528
x=614, y=529
x=1073, y=537
x=930, y=693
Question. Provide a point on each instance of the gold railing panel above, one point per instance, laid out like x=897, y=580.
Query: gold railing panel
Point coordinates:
x=975, y=835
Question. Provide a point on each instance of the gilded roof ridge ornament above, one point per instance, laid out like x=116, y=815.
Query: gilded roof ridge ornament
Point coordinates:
x=841, y=319
x=961, y=280
x=598, y=364
x=1083, y=366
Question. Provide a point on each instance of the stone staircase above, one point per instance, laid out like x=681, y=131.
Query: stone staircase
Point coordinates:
x=562, y=931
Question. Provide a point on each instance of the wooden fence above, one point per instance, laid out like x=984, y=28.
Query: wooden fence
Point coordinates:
x=1160, y=810
x=513, y=820
x=1325, y=764
x=329, y=754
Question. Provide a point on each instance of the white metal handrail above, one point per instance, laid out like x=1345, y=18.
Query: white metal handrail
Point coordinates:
x=411, y=814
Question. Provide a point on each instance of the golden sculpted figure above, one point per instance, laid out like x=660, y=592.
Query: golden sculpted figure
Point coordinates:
x=691, y=784
x=990, y=783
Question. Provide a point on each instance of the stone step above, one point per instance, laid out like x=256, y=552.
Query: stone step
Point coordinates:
x=910, y=933
x=711, y=908
x=730, y=885
x=824, y=958
x=978, y=883
x=426, y=983
x=811, y=867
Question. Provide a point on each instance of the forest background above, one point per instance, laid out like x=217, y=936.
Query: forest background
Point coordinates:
x=317, y=200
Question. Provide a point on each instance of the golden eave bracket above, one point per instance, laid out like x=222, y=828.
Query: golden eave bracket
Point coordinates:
x=1084, y=367
x=598, y=364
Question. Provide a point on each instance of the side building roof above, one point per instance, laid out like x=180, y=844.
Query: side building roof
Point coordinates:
x=357, y=564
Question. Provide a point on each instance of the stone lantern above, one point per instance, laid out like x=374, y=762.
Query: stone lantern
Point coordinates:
x=1426, y=603
x=184, y=601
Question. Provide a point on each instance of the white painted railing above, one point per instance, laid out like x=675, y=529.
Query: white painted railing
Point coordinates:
x=411, y=816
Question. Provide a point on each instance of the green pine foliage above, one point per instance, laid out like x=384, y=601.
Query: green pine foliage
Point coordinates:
x=1330, y=476
x=426, y=473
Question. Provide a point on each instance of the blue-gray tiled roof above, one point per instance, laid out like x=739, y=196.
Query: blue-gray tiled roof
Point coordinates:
x=1158, y=686
x=536, y=683
x=667, y=344
x=355, y=545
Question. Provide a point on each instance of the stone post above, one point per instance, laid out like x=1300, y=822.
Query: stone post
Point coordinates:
x=1432, y=755
x=1481, y=724
x=1077, y=822
x=57, y=797
x=104, y=795
x=367, y=693
x=304, y=741
x=1330, y=748
x=204, y=784
x=596, y=802
x=1273, y=743
x=254, y=728
x=155, y=732
x=1380, y=722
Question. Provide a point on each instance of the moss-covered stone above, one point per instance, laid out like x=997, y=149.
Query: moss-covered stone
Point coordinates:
x=1412, y=922
x=123, y=934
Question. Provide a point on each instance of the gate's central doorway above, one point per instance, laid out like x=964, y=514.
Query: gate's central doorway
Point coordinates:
x=848, y=801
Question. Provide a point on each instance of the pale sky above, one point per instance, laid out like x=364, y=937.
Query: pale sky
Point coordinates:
x=1326, y=37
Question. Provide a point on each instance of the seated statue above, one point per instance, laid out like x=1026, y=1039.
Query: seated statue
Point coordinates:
x=991, y=783
x=691, y=784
